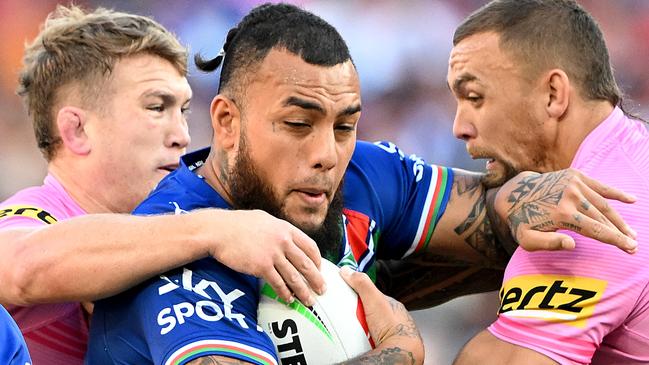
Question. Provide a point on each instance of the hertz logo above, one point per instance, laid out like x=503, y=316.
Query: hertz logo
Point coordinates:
x=27, y=211
x=555, y=298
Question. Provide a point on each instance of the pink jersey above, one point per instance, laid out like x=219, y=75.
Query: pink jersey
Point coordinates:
x=55, y=333
x=590, y=304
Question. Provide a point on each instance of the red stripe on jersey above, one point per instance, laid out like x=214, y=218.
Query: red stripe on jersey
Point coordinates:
x=358, y=227
x=431, y=208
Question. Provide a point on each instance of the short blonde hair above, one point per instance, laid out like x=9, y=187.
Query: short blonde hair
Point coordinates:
x=81, y=47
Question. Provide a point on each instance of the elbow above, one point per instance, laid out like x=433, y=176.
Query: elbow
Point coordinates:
x=21, y=276
x=419, y=355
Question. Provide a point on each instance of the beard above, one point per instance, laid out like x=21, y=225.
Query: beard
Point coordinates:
x=496, y=179
x=250, y=191
x=493, y=179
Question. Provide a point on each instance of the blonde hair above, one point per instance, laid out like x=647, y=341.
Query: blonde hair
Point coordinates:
x=80, y=48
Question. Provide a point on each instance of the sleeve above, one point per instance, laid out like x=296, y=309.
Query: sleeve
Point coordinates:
x=200, y=310
x=13, y=349
x=404, y=195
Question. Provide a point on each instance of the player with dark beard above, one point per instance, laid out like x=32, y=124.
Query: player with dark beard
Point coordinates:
x=248, y=191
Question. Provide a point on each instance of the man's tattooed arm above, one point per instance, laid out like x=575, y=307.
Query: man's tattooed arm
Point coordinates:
x=465, y=233
x=471, y=230
x=388, y=350
x=478, y=229
x=388, y=356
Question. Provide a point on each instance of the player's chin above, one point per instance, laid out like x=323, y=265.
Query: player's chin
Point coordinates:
x=307, y=219
x=494, y=179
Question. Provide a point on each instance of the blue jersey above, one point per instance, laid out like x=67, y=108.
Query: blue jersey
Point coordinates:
x=13, y=350
x=391, y=205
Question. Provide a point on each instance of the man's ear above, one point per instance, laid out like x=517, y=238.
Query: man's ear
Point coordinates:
x=71, y=123
x=558, y=93
x=226, y=121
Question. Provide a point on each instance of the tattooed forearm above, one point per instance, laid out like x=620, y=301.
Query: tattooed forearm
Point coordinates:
x=407, y=329
x=216, y=360
x=389, y=356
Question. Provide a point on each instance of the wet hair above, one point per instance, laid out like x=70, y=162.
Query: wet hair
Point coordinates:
x=81, y=48
x=544, y=34
x=273, y=26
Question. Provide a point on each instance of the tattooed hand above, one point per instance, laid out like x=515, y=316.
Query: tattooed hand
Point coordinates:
x=536, y=205
x=392, y=328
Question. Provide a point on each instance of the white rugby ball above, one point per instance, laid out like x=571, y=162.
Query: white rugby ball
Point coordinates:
x=332, y=330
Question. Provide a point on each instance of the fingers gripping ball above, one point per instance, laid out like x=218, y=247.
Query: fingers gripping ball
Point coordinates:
x=331, y=331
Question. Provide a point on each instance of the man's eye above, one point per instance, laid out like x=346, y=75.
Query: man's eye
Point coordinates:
x=156, y=108
x=346, y=128
x=185, y=110
x=474, y=98
x=296, y=124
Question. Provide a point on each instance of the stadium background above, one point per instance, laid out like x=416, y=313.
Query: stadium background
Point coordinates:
x=401, y=50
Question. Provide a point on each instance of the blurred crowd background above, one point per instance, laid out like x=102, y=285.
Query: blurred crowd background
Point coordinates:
x=401, y=50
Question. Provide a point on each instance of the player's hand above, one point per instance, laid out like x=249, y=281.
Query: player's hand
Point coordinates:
x=392, y=328
x=536, y=205
x=259, y=244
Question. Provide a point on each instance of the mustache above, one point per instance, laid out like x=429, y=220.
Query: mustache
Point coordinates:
x=478, y=153
x=322, y=182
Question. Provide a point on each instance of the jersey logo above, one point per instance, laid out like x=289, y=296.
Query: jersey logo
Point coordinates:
x=208, y=309
x=29, y=212
x=417, y=167
x=177, y=209
x=554, y=298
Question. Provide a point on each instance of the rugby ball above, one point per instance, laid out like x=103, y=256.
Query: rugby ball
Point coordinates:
x=332, y=330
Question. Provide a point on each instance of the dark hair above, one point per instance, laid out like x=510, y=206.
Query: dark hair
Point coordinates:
x=550, y=33
x=275, y=26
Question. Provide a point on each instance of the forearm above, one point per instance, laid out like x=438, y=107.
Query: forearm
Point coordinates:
x=402, y=345
x=387, y=355
x=95, y=256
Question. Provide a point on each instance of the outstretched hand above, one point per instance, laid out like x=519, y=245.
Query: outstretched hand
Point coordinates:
x=536, y=205
x=274, y=250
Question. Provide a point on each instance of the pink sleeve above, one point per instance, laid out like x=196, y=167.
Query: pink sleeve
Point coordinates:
x=20, y=222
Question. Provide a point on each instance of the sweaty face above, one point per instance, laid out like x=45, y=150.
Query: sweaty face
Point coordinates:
x=297, y=137
x=140, y=133
x=499, y=109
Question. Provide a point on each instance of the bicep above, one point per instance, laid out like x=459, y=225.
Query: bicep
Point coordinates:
x=464, y=232
x=217, y=360
x=487, y=349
